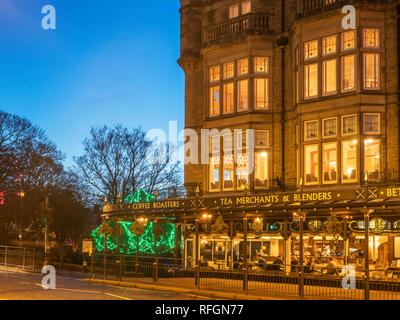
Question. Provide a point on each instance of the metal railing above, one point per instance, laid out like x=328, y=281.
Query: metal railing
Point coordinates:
x=285, y=281
x=17, y=258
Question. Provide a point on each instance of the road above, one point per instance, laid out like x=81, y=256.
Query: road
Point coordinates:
x=27, y=286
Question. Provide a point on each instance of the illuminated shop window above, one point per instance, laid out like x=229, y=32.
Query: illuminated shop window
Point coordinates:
x=243, y=66
x=371, y=70
x=329, y=159
x=215, y=73
x=371, y=123
x=311, y=130
x=329, y=45
x=349, y=124
x=311, y=80
x=246, y=7
x=349, y=161
x=261, y=87
x=372, y=159
x=234, y=11
x=214, y=101
x=348, y=40
x=329, y=127
x=261, y=65
x=348, y=73
x=311, y=164
x=329, y=80
x=229, y=70
x=310, y=49
x=229, y=97
x=371, y=38
x=243, y=95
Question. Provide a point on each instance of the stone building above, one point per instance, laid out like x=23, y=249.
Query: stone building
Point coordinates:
x=323, y=101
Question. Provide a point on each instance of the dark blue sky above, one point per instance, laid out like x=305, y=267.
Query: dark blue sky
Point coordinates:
x=107, y=62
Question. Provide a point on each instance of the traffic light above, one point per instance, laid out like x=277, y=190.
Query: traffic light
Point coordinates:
x=2, y=199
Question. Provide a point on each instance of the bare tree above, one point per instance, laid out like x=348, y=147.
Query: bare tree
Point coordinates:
x=116, y=162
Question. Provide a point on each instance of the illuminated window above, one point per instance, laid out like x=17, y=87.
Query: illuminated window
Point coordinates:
x=311, y=80
x=372, y=159
x=329, y=45
x=349, y=161
x=214, y=164
x=329, y=159
x=242, y=165
x=261, y=94
x=297, y=86
x=371, y=38
x=329, y=76
x=310, y=130
x=229, y=71
x=261, y=139
x=371, y=70
x=261, y=65
x=329, y=127
x=261, y=169
x=214, y=101
x=371, y=123
x=311, y=167
x=349, y=124
x=243, y=95
x=246, y=7
x=228, y=162
x=348, y=73
x=215, y=73
x=234, y=11
x=229, y=96
x=310, y=49
x=348, y=40
x=243, y=66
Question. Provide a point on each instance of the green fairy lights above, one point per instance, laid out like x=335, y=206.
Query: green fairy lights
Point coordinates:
x=165, y=233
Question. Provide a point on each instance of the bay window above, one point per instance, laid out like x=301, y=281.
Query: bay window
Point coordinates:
x=349, y=161
x=348, y=40
x=371, y=38
x=310, y=49
x=310, y=130
x=228, y=70
x=243, y=67
x=214, y=164
x=228, y=164
x=261, y=65
x=371, y=123
x=329, y=45
x=311, y=164
x=261, y=159
x=215, y=73
x=329, y=159
x=349, y=124
x=329, y=127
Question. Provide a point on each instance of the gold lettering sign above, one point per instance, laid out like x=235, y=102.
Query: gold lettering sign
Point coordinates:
x=312, y=196
x=166, y=204
x=392, y=192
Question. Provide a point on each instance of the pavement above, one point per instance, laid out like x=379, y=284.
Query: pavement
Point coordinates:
x=27, y=286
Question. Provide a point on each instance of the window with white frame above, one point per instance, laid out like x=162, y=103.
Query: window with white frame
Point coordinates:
x=228, y=163
x=372, y=159
x=215, y=101
x=329, y=80
x=261, y=90
x=229, y=97
x=310, y=130
x=349, y=124
x=229, y=70
x=371, y=123
x=214, y=164
x=243, y=95
x=329, y=45
x=215, y=74
x=243, y=66
x=329, y=126
x=234, y=11
x=348, y=72
x=261, y=159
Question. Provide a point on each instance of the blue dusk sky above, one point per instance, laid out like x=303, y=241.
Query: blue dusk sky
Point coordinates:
x=107, y=62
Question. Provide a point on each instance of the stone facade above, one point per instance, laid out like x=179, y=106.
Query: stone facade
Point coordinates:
x=278, y=30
